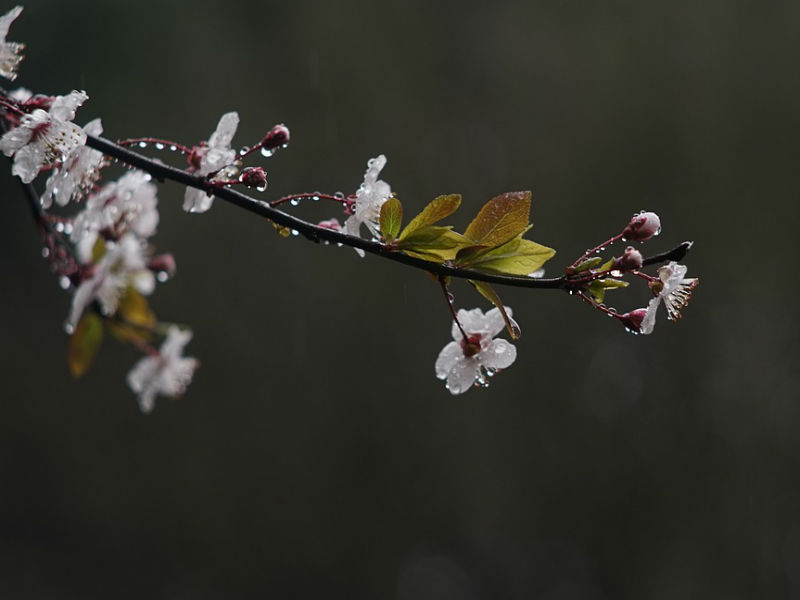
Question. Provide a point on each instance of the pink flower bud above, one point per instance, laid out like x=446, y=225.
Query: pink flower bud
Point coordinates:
x=276, y=137
x=254, y=177
x=633, y=320
x=642, y=227
x=630, y=260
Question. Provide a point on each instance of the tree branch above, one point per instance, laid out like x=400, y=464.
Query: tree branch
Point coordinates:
x=313, y=232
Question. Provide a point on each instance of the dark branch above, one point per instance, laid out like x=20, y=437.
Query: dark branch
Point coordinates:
x=314, y=233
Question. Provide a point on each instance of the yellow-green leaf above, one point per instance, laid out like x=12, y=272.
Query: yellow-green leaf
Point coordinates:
x=134, y=319
x=501, y=219
x=517, y=257
x=433, y=242
x=436, y=210
x=84, y=344
x=391, y=218
x=487, y=291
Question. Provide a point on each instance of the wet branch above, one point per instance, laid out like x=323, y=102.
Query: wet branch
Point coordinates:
x=318, y=234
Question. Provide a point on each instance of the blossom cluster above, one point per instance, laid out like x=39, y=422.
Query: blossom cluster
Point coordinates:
x=102, y=252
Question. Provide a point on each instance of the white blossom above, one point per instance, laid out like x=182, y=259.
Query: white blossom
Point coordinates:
x=673, y=289
x=464, y=362
x=213, y=157
x=126, y=205
x=167, y=373
x=370, y=196
x=123, y=265
x=44, y=136
x=78, y=172
x=10, y=52
x=20, y=95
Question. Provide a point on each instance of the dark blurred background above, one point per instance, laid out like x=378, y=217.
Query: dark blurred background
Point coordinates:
x=315, y=454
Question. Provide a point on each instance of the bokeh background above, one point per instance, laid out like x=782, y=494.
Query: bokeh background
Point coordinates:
x=315, y=454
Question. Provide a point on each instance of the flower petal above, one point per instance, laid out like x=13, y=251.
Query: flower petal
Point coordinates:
x=499, y=355
x=462, y=375
x=64, y=107
x=448, y=358
x=649, y=321
x=196, y=201
x=27, y=162
x=494, y=321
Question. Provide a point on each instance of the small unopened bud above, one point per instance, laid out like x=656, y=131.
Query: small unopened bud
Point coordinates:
x=633, y=320
x=254, y=177
x=642, y=227
x=164, y=265
x=276, y=137
x=630, y=260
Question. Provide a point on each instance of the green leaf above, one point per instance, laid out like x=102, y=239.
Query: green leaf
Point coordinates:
x=436, y=210
x=134, y=319
x=433, y=242
x=501, y=219
x=487, y=291
x=589, y=263
x=599, y=286
x=391, y=218
x=84, y=344
x=516, y=257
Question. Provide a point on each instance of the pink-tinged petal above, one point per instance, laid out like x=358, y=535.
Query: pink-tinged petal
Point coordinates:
x=64, y=107
x=226, y=129
x=473, y=321
x=196, y=201
x=94, y=127
x=494, y=321
x=649, y=321
x=499, y=355
x=6, y=20
x=15, y=139
x=462, y=375
x=448, y=358
x=28, y=161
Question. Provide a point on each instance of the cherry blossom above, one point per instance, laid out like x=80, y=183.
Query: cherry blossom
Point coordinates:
x=166, y=373
x=123, y=265
x=370, y=196
x=79, y=171
x=10, y=52
x=469, y=360
x=210, y=158
x=44, y=136
x=126, y=205
x=671, y=287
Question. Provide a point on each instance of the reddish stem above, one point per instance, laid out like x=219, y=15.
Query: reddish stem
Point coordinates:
x=449, y=297
x=596, y=249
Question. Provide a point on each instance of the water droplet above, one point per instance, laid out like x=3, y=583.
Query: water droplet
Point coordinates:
x=624, y=240
x=261, y=188
x=159, y=146
x=285, y=146
x=315, y=197
x=45, y=252
x=64, y=282
x=267, y=152
x=162, y=276
x=516, y=330
x=244, y=150
x=294, y=202
x=60, y=227
x=658, y=231
x=67, y=228
x=173, y=147
x=69, y=328
x=339, y=244
x=142, y=144
x=295, y=232
x=339, y=195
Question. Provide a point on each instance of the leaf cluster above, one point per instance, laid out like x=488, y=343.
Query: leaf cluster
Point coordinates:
x=493, y=241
